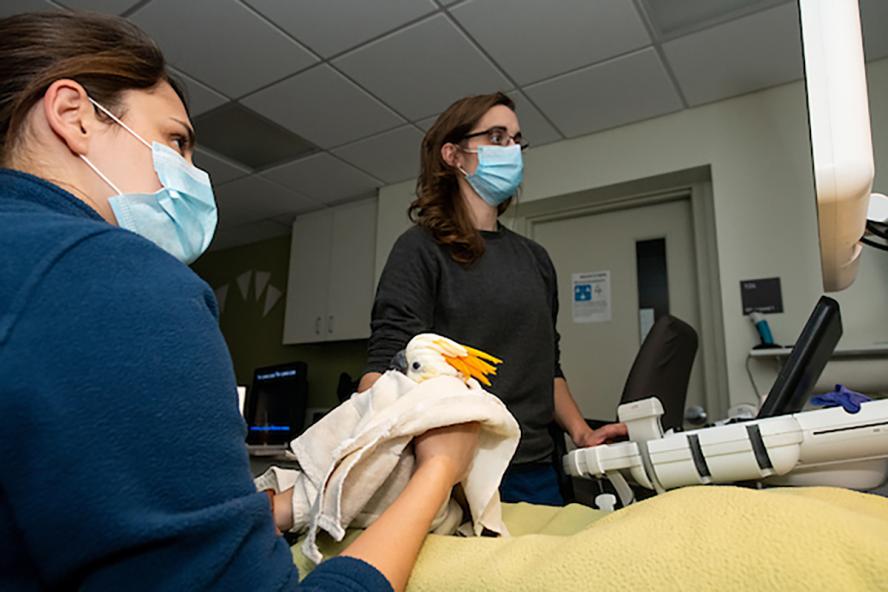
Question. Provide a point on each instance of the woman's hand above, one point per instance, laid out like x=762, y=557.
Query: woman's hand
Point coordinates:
x=603, y=435
x=282, y=508
x=451, y=449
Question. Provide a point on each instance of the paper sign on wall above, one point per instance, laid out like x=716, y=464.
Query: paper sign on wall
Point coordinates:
x=591, y=297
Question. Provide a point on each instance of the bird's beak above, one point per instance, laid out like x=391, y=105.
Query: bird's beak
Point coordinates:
x=399, y=362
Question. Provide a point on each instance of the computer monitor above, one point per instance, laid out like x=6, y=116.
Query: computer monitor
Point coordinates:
x=810, y=354
x=841, y=141
x=275, y=405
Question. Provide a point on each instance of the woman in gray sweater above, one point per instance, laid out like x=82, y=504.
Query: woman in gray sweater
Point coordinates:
x=459, y=273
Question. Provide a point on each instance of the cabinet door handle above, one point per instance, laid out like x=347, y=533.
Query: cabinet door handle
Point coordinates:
x=318, y=326
x=330, y=324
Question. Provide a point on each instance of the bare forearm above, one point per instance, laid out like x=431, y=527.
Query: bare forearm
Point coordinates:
x=367, y=381
x=569, y=417
x=567, y=413
x=392, y=543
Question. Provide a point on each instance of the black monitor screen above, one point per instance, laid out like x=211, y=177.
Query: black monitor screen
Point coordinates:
x=810, y=354
x=275, y=407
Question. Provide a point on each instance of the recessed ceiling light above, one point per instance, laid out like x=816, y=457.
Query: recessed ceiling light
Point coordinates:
x=244, y=136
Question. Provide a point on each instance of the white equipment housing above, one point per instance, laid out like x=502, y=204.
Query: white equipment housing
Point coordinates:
x=823, y=447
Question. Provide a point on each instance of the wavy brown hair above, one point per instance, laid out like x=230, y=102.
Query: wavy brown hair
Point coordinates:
x=438, y=206
x=107, y=55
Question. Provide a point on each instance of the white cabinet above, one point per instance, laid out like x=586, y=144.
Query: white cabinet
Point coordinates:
x=309, y=278
x=330, y=287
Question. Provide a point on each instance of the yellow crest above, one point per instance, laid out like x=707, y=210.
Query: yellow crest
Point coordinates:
x=474, y=364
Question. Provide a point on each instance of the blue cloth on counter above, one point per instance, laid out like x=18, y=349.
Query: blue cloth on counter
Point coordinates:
x=841, y=397
x=124, y=465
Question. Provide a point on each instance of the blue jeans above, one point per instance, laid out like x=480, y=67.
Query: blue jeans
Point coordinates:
x=535, y=483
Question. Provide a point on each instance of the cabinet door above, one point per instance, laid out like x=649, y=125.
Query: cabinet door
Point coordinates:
x=306, y=313
x=352, y=260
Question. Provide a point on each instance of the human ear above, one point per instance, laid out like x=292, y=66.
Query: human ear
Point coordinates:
x=69, y=114
x=450, y=154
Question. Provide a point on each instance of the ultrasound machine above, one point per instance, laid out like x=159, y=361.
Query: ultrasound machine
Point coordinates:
x=844, y=446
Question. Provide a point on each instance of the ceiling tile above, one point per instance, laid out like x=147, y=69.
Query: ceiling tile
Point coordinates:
x=874, y=17
x=755, y=52
x=320, y=25
x=626, y=89
x=222, y=43
x=324, y=107
x=225, y=238
x=682, y=16
x=246, y=137
x=285, y=219
x=201, y=98
x=105, y=6
x=534, y=127
x=392, y=156
x=221, y=169
x=423, y=68
x=426, y=123
x=324, y=178
x=253, y=198
x=537, y=40
x=8, y=8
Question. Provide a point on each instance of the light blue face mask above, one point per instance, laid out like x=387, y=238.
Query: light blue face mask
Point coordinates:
x=499, y=173
x=181, y=217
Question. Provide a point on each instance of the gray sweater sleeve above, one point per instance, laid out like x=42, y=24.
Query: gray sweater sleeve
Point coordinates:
x=405, y=298
x=551, y=277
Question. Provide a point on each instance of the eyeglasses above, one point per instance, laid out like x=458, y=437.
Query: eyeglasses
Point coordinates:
x=499, y=136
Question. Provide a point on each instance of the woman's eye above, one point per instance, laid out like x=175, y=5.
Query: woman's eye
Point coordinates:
x=179, y=142
x=497, y=138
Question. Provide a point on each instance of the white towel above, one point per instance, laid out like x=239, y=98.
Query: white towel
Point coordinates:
x=355, y=461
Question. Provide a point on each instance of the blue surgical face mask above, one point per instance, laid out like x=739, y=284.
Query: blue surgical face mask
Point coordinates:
x=181, y=217
x=499, y=173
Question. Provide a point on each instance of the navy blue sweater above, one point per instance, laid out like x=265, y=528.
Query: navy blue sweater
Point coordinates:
x=122, y=449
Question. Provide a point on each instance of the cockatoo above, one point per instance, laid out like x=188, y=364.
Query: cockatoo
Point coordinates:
x=429, y=355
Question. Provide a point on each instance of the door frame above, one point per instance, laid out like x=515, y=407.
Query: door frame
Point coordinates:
x=694, y=185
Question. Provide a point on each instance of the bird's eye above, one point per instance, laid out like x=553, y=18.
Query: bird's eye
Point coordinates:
x=416, y=365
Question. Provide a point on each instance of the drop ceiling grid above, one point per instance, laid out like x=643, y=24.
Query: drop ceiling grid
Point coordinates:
x=334, y=53
x=439, y=7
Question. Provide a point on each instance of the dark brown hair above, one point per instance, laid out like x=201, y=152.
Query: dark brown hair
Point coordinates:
x=105, y=54
x=438, y=206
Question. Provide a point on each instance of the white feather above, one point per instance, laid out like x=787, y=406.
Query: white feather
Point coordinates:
x=425, y=356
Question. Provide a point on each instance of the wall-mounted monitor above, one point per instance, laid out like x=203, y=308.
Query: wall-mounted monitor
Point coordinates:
x=841, y=142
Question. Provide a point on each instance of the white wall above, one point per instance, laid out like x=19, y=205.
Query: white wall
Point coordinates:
x=757, y=147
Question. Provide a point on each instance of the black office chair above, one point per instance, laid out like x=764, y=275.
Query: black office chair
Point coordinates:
x=662, y=368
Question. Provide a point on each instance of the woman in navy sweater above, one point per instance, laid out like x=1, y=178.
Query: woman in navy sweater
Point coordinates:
x=123, y=458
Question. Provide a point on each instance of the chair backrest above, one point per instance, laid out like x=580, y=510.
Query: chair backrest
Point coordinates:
x=662, y=368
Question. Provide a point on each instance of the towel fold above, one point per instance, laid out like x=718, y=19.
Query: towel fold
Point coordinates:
x=356, y=460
